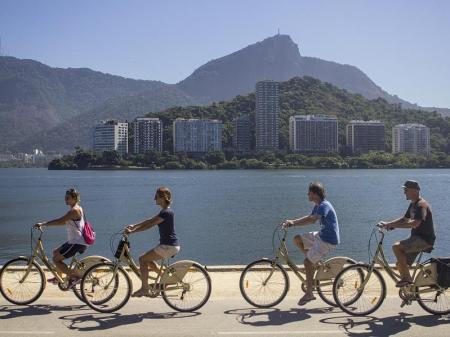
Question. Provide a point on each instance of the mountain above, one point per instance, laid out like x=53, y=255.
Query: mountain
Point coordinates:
x=55, y=109
x=278, y=58
x=35, y=97
x=78, y=130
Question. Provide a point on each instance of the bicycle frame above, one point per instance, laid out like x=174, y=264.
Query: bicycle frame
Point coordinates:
x=283, y=254
x=379, y=258
x=39, y=252
x=126, y=258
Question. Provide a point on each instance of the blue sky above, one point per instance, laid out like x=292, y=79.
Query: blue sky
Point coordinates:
x=403, y=46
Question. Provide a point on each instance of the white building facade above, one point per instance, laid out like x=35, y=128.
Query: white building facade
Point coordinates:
x=411, y=138
x=266, y=116
x=197, y=135
x=313, y=134
x=111, y=135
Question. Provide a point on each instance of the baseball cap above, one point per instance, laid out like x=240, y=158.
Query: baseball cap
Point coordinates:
x=411, y=184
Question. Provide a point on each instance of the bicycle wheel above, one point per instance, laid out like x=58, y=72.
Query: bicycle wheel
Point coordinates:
x=264, y=283
x=434, y=299
x=20, y=285
x=186, y=286
x=325, y=286
x=353, y=299
x=106, y=287
x=76, y=290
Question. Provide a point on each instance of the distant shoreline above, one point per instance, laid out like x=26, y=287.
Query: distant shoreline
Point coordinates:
x=136, y=168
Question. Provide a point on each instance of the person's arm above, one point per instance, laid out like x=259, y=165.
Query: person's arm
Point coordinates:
x=419, y=215
x=72, y=214
x=403, y=222
x=144, y=225
x=303, y=221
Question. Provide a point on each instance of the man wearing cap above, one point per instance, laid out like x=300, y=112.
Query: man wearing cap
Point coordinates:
x=418, y=217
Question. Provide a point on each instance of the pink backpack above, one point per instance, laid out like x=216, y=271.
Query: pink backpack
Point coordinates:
x=88, y=232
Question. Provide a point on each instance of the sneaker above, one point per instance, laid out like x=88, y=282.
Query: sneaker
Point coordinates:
x=73, y=282
x=52, y=280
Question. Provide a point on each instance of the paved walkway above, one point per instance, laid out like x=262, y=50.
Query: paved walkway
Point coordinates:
x=59, y=313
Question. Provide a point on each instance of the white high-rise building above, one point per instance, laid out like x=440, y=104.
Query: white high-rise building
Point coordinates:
x=365, y=136
x=197, y=135
x=411, y=138
x=314, y=134
x=147, y=135
x=111, y=135
x=266, y=116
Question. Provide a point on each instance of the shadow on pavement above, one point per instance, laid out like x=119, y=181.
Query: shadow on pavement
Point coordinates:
x=386, y=326
x=13, y=311
x=98, y=321
x=274, y=316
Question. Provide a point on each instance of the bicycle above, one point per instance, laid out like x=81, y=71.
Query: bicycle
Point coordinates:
x=364, y=285
x=264, y=283
x=185, y=285
x=22, y=280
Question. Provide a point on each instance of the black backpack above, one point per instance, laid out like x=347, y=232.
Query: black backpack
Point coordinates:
x=443, y=271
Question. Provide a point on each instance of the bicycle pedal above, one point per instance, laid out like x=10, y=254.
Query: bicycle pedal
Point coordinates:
x=405, y=303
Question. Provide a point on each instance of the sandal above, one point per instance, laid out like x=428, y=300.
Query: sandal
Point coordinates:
x=305, y=300
x=52, y=280
x=140, y=293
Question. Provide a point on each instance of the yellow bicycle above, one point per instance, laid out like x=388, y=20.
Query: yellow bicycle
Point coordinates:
x=184, y=285
x=22, y=279
x=360, y=289
x=264, y=283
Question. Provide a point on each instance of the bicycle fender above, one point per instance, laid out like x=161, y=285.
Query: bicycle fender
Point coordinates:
x=331, y=267
x=176, y=271
x=89, y=261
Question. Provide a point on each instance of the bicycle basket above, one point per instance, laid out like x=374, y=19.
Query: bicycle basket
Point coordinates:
x=443, y=271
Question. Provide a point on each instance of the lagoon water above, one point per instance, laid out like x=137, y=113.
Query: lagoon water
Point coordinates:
x=221, y=217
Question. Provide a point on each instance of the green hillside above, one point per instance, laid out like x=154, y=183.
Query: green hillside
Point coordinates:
x=300, y=96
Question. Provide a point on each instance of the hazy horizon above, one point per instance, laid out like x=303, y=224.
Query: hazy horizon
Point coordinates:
x=403, y=46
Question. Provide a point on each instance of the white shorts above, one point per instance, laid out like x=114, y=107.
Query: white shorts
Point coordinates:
x=317, y=248
x=166, y=251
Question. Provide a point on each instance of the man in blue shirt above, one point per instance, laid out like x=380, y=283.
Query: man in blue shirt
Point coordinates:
x=315, y=245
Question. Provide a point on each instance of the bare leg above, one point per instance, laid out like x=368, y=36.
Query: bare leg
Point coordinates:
x=299, y=243
x=146, y=262
x=61, y=267
x=401, y=261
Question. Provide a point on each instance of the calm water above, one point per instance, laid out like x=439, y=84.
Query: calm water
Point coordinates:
x=222, y=217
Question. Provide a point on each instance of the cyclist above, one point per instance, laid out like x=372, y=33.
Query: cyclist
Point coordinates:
x=168, y=243
x=74, y=221
x=315, y=245
x=418, y=217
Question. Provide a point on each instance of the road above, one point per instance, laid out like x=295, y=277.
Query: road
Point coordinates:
x=226, y=314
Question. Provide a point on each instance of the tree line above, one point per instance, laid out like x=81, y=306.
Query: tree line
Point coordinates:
x=85, y=159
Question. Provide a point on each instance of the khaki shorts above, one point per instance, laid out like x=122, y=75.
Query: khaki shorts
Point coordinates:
x=413, y=246
x=317, y=248
x=166, y=251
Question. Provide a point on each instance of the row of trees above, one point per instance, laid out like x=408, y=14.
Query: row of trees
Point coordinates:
x=83, y=159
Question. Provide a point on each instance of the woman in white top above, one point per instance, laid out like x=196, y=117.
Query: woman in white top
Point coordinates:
x=74, y=221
